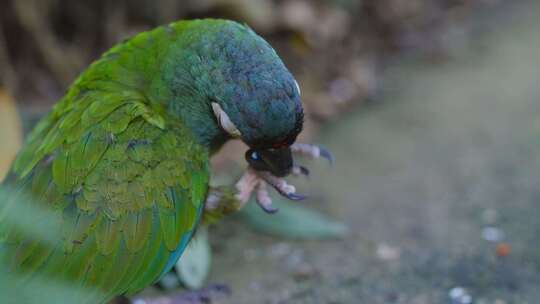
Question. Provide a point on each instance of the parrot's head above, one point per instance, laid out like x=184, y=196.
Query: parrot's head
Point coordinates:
x=251, y=95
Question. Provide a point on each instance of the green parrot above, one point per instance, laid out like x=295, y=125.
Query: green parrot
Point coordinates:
x=120, y=165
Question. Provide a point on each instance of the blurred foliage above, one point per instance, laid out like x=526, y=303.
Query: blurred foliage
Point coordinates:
x=42, y=290
x=16, y=286
x=10, y=132
x=292, y=221
x=334, y=47
x=194, y=266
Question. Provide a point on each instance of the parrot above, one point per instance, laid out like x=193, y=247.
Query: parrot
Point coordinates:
x=120, y=164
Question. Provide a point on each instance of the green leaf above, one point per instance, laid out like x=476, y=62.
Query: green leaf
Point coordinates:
x=292, y=221
x=40, y=290
x=194, y=265
x=24, y=218
x=10, y=132
x=21, y=218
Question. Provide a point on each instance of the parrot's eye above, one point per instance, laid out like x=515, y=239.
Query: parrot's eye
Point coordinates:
x=224, y=121
x=254, y=160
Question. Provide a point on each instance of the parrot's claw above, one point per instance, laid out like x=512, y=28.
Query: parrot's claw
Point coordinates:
x=300, y=170
x=326, y=154
x=268, y=208
x=295, y=197
x=263, y=199
x=281, y=186
x=255, y=181
x=312, y=151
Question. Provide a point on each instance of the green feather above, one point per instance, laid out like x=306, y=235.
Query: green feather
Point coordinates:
x=171, y=233
x=137, y=229
x=142, y=275
x=61, y=172
x=108, y=234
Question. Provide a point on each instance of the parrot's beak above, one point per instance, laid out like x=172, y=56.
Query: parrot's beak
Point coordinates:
x=279, y=162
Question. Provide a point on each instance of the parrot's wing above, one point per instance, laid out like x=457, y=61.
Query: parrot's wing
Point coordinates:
x=124, y=190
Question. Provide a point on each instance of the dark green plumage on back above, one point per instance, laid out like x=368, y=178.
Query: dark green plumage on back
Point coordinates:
x=121, y=161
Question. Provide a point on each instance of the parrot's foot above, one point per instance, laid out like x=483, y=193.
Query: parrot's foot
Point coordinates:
x=213, y=200
x=203, y=296
x=256, y=181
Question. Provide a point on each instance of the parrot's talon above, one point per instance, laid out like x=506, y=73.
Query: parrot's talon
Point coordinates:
x=256, y=181
x=312, y=151
x=300, y=170
x=268, y=209
x=295, y=196
x=286, y=190
x=263, y=199
x=326, y=154
x=278, y=183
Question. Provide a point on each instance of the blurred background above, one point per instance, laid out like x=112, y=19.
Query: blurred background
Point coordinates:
x=431, y=107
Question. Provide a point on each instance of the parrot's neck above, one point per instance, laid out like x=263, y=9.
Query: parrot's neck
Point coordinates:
x=183, y=80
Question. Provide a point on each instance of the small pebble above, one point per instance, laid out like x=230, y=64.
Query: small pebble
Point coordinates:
x=303, y=272
x=466, y=299
x=456, y=293
x=386, y=252
x=459, y=295
x=492, y=234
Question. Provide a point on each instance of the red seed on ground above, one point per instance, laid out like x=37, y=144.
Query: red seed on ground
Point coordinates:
x=502, y=249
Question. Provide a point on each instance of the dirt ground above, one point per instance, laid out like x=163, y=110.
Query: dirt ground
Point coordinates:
x=437, y=181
